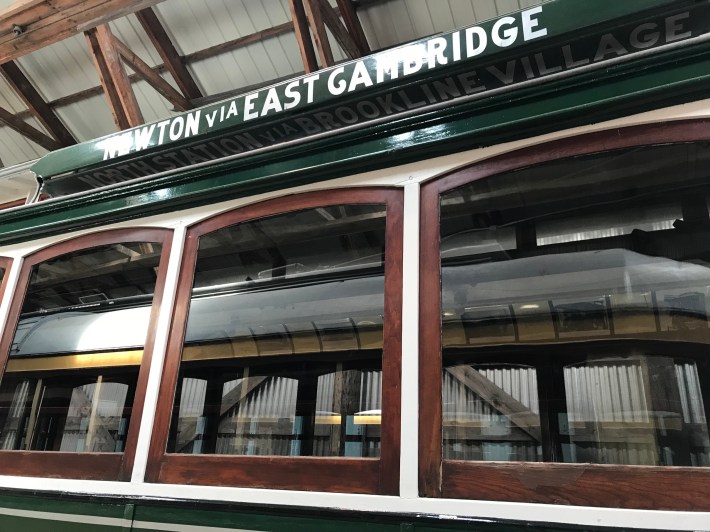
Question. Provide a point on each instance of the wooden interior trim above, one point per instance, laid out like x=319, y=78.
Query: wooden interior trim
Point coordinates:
x=361, y=475
x=83, y=360
x=671, y=488
x=392, y=348
x=13, y=203
x=129, y=454
x=340, y=475
x=430, y=447
x=171, y=364
x=51, y=464
x=640, y=487
x=105, y=466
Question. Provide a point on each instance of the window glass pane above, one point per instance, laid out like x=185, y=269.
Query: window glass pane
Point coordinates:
x=77, y=349
x=593, y=290
x=491, y=412
x=283, y=348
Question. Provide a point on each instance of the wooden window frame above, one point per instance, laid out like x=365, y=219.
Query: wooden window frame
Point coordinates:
x=335, y=474
x=640, y=487
x=5, y=262
x=86, y=465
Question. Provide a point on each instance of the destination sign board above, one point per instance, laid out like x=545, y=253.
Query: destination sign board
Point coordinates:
x=427, y=75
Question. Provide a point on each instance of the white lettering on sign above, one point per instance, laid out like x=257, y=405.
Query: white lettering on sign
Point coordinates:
x=363, y=74
x=409, y=60
x=530, y=23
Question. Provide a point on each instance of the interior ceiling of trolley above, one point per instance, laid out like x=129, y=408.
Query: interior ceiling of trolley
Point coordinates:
x=51, y=94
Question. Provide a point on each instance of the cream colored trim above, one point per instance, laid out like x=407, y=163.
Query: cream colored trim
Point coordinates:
x=68, y=518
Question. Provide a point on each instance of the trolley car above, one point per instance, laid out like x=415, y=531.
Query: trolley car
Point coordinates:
x=462, y=284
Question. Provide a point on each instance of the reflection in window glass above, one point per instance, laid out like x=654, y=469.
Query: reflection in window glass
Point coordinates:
x=73, y=367
x=283, y=348
x=491, y=413
x=575, y=302
x=643, y=410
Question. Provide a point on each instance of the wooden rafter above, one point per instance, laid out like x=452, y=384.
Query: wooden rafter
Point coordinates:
x=240, y=42
x=173, y=61
x=114, y=79
x=199, y=55
x=45, y=22
x=352, y=23
x=206, y=53
x=314, y=13
x=36, y=104
x=32, y=133
x=144, y=70
x=339, y=31
x=303, y=35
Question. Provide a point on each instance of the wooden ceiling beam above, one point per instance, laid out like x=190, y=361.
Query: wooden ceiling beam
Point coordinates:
x=144, y=70
x=240, y=42
x=199, y=55
x=114, y=80
x=45, y=22
x=339, y=31
x=314, y=13
x=303, y=35
x=36, y=104
x=26, y=130
x=172, y=60
x=352, y=23
x=107, y=86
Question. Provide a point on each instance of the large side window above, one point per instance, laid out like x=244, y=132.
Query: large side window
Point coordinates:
x=289, y=348
x=77, y=355
x=572, y=328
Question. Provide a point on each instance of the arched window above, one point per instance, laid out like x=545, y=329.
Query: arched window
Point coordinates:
x=565, y=353
x=285, y=350
x=77, y=353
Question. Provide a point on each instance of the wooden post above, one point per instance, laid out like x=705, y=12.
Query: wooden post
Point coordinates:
x=117, y=87
x=173, y=61
x=303, y=36
x=314, y=13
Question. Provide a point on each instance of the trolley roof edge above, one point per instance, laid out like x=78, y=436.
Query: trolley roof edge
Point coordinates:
x=538, y=70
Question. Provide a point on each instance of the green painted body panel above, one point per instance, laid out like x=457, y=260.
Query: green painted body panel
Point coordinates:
x=61, y=513
x=43, y=525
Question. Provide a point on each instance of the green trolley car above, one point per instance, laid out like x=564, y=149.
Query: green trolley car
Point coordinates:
x=461, y=284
